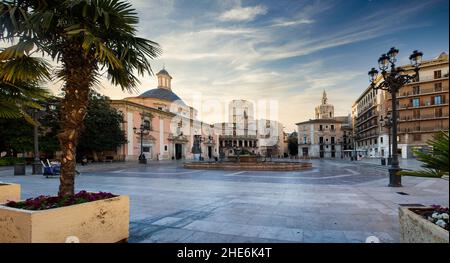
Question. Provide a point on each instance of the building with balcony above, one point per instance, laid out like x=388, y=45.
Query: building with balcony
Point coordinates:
x=422, y=111
x=326, y=136
x=423, y=105
x=367, y=131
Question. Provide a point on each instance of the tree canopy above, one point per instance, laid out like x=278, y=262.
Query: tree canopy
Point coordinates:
x=293, y=144
x=102, y=126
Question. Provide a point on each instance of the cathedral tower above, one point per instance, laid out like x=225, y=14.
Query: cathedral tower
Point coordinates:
x=324, y=110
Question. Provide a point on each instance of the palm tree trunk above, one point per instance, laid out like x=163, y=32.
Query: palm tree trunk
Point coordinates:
x=77, y=74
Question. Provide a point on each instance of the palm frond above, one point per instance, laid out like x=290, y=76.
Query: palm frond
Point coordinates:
x=436, y=161
x=25, y=69
x=18, y=50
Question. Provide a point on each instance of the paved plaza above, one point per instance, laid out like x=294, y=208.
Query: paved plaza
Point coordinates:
x=336, y=201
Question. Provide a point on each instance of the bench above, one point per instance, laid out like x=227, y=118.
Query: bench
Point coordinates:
x=109, y=159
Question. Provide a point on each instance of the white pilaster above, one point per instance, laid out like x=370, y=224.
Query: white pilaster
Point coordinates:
x=130, y=133
x=161, y=137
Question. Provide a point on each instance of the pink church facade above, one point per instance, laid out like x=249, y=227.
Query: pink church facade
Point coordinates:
x=172, y=126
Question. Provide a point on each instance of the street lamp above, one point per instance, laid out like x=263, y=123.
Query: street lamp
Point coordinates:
x=356, y=137
x=393, y=80
x=36, y=166
x=387, y=122
x=143, y=128
x=196, y=146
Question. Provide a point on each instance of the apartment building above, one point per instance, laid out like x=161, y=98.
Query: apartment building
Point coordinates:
x=367, y=131
x=422, y=108
x=423, y=105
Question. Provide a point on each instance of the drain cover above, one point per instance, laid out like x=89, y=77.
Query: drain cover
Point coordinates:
x=402, y=193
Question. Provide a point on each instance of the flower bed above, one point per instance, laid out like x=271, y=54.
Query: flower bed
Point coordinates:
x=422, y=225
x=439, y=216
x=48, y=202
x=88, y=217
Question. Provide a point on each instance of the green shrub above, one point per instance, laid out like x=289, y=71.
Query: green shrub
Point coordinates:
x=4, y=161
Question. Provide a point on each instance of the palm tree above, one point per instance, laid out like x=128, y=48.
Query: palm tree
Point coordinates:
x=19, y=92
x=435, y=161
x=86, y=39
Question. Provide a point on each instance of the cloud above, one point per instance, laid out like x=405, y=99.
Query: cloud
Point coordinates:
x=283, y=23
x=243, y=13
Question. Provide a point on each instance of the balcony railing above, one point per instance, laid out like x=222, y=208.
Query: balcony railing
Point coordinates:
x=423, y=117
x=360, y=130
x=423, y=129
x=422, y=92
x=430, y=78
x=421, y=104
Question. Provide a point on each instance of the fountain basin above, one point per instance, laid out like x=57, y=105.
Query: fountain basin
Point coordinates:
x=249, y=166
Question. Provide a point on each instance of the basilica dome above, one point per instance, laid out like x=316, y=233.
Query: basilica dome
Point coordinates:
x=164, y=90
x=162, y=94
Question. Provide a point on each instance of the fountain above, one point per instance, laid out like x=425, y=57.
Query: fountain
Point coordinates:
x=246, y=161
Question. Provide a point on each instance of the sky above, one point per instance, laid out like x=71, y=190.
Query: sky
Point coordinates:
x=284, y=51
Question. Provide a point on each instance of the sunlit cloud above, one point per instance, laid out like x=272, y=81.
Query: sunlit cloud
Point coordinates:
x=284, y=23
x=243, y=13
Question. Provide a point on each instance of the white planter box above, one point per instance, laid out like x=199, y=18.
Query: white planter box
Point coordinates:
x=9, y=192
x=102, y=221
x=416, y=229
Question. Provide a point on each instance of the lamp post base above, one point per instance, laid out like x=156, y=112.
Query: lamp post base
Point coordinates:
x=394, y=179
x=36, y=168
x=142, y=159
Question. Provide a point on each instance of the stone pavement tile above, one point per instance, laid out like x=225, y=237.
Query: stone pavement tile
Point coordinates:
x=240, y=239
x=205, y=226
x=225, y=228
x=228, y=217
x=282, y=233
x=169, y=235
x=344, y=222
x=298, y=211
x=324, y=236
x=140, y=232
x=268, y=220
x=207, y=237
x=357, y=236
x=167, y=221
x=304, y=222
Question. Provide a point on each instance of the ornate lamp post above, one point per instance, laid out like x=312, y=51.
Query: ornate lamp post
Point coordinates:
x=143, y=128
x=392, y=81
x=196, y=146
x=388, y=123
x=36, y=115
x=36, y=166
x=356, y=137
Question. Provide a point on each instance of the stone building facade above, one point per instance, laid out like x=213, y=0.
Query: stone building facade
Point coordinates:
x=368, y=133
x=423, y=110
x=172, y=125
x=423, y=106
x=244, y=133
x=323, y=137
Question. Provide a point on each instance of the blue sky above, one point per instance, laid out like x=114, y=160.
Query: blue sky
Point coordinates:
x=289, y=51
